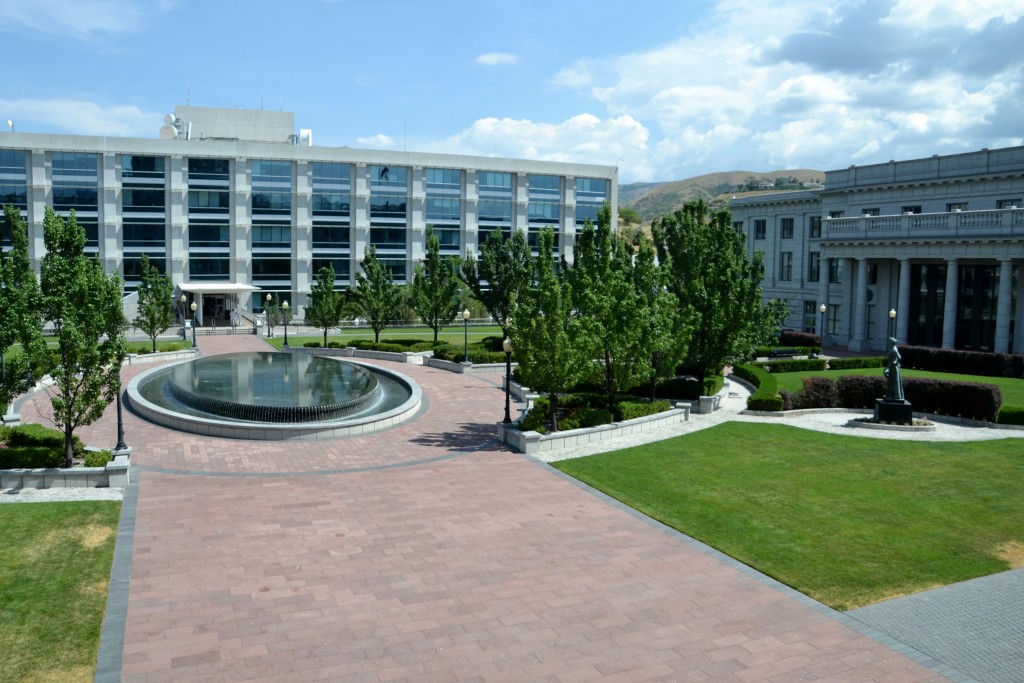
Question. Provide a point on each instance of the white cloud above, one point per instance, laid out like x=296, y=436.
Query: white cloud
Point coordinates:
x=970, y=14
x=83, y=118
x=497, y=59
x=378, y=140
x=83, y=19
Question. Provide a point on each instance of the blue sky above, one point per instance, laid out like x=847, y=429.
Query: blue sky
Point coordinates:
x=666, y=90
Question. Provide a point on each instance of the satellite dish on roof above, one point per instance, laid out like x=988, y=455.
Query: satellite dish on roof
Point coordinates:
x=169, y=119
x=168, y=132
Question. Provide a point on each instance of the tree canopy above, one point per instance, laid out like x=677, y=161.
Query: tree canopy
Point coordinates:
x=502, y=272
x=435, y=286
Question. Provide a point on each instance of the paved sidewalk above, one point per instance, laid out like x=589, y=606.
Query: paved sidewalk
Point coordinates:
x=430, y=552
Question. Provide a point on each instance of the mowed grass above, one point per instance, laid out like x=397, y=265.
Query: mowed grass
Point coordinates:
x=1012, y=388
x=847, y=520
x=53, y=588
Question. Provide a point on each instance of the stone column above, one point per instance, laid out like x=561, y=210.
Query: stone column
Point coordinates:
x=1003, y=308
x=823, y=282
x=860, y=307
x=1018, y=336
x=949, y=310
x=903, y=302
x=846, y=275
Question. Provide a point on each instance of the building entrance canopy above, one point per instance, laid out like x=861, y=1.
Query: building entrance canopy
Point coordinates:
x=217, y=302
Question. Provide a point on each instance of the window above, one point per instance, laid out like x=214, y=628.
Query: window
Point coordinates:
x=383, y=178
x=786, y=266
x=209, y=268
x=545, y=186
x=143, y=232
x=207, y=201
x=271, y=269
x=444, y=179
x=340, y=265
x=737, y=226
x=872, y=273
x=265, y=235
x=330, y=236
x=787, y=228
x=208, y=235
x=833, y=271
x=142, y=167
x=833, y=319
x=760, y=229
x=139, y=200
x=266, y=171
x=133, y=267
x=871, y=212
x=814, y=266
x=74, y=164
x=956, y=206
x=493, y=210
x=446, y=209
x=835, y=214
x=492, y=183
x=387, y=238
x=913, y=208
x=544, y=212
x=397, y=268
x=810, y=316
x=814, y=227
x=1009, y=203
x=208, y=169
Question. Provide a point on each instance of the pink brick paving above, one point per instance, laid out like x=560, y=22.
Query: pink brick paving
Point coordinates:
x=481, y=567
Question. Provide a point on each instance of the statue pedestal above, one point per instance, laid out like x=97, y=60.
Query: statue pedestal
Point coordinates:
x=894, y=411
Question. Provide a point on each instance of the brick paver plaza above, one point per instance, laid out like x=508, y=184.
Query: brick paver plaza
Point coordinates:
x=429, y=552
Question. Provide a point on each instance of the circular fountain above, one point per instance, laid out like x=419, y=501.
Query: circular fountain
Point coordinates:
x=274, y=396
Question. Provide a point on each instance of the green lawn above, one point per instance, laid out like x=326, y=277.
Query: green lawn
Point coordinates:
x=452, y=335
x=1012, y=388
x=53, y=588
x=847, y=520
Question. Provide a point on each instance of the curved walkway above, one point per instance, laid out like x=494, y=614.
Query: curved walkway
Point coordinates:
x=429, y=552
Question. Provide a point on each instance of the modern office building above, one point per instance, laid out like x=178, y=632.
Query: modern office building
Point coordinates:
x=234, y=204
x=930, y=251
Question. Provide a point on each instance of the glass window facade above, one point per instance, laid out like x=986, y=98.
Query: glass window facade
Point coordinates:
x=75, y=188
x=13, y=183
x=591, y=194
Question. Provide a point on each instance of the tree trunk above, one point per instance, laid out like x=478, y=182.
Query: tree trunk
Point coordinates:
x=553, y=404
x=325, y=337
x=154, y=344
x=69, y=447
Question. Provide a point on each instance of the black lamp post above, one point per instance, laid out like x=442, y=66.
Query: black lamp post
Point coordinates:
x=506, y=345
x=270, y=326
x=181, y=307
x=121, y=445
x=821, y=334
x=285, y=307
x=465, y=342
x=193, y=307
x=892, y=322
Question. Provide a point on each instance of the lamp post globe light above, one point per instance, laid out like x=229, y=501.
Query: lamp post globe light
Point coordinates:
x=821, y=334
x=181, y=309
x=266, y=313
x=506, y=345
x=892, y=322
x=193, y=307
x=285, y=307
x=465, y=340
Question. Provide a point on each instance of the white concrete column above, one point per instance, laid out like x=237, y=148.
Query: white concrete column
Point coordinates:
x=846, y=275
x=903, y=302
x=1003, y=308
x=860, y=307
x=823, y=293
x=1018, y=335
x=949, y=309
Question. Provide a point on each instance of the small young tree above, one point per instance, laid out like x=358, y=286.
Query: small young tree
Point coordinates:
x=375, y=293
x=325, y=304
x=20, y=318
x=83, y=304
x=155, y=301
x=503, y=271
x=435, y=286
x=553, y=345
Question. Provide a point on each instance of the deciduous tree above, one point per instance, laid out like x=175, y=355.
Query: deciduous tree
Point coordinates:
x=156, y=313
x=21, y=321
x=83, y=305
x=375, y=293
x=502, y=272
x=435, y=285
x=325, y=304
x=717, y=285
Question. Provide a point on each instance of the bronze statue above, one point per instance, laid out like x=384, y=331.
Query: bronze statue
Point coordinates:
x=894, y=384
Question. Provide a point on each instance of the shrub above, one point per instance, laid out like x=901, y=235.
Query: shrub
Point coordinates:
x=789, y=400
x=334, y=345
x=536, y=418
x=962, y=362
x=852, y=363
x=766, y=398
x=493, y=343
x=628, y=410
x=859, y=391
x=98, y=458
x=5, y=432
x=1010, y=415
x=30, y=457
x=818, y=392
x=585, y=417
x=680, y=388
x=794, y=365
x=312, y=345
x=39, y=435
x=939, y=397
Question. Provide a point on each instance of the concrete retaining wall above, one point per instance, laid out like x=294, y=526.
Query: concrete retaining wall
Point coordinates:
x=532, y=443
x=115, y=474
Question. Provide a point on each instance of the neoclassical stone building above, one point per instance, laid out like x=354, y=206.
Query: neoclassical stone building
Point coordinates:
x=234, y=204
x=929, y=250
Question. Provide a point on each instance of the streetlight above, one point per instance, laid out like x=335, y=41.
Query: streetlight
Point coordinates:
x=121, y=446
x=892, y=322
x=181, y=308
x=465, y=325
x=284, y=307
x=821, y=334
x=270, y=328
x=507, y=346
x=193, y=307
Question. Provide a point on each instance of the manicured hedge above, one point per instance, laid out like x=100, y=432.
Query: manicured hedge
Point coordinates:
x=794, y=365
x=1010, y=415
x=628, y=410
x=32, y=435
x=30, y=457
x=766, y=351
x=790, y=338
x=766, y=397
x=818, y=392
x=852, y=363
x=457, y=354
x=939, y=397
x=962, y=362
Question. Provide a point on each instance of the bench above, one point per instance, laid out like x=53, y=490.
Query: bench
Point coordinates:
x=783, y=353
